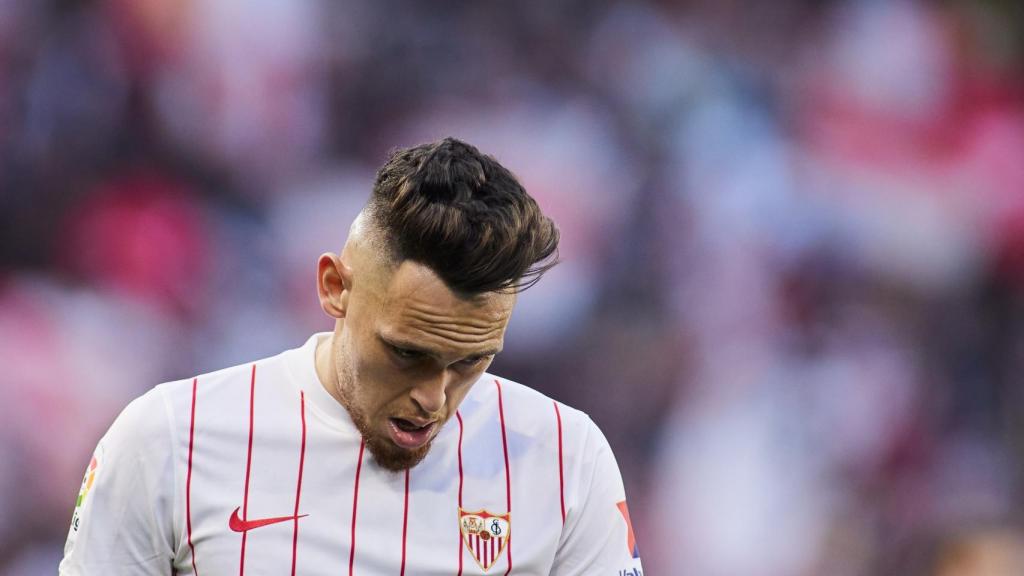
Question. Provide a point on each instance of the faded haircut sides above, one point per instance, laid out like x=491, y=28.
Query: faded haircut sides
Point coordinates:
x=463, y=215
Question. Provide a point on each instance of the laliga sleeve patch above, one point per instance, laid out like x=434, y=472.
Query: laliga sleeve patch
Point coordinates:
x=634, y=550
x=83, y=493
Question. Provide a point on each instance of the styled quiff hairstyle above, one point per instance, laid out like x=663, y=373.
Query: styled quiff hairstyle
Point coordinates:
x=463, y=215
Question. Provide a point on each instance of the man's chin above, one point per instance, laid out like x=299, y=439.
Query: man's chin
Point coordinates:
x=395, y=458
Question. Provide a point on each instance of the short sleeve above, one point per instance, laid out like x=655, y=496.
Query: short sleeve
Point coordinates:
x=598, y=538
x=123, y=517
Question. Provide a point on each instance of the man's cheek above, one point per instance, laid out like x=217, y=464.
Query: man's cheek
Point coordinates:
x=379, y=381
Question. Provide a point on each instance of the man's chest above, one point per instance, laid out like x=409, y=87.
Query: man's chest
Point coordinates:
x=320, y=505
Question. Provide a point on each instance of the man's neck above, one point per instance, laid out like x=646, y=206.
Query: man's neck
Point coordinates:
x=325, y=370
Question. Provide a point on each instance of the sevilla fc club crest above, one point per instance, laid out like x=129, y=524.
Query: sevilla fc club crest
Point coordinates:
x=485, y=534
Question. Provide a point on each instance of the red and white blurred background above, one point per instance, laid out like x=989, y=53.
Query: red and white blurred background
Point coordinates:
x=793, y=240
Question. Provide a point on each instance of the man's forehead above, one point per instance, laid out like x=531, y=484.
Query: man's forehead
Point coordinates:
x=441, y=344
x=444, y=328
x=424, y=308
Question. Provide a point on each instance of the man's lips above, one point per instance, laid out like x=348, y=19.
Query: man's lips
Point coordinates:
x=410, y=433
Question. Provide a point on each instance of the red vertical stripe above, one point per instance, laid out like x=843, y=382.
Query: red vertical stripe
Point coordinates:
x=459, y=417
x=355, y=503
x=561, y=473
x=248, y=467
x=188, y=476
x=405, y=520
x=508, y=479
x=298, y=485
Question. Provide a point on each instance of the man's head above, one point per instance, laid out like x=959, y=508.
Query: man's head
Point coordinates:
x=423, y=291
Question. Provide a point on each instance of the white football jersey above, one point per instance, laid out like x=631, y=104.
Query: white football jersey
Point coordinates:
x=256, y=469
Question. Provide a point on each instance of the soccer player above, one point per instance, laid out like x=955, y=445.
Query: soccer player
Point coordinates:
x=382, y=447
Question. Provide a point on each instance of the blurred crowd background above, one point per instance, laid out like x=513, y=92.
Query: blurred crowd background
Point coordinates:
x=792, y=289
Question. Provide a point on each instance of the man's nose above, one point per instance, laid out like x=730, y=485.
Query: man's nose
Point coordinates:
x=430, y=393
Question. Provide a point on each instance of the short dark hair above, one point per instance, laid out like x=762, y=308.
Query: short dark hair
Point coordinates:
x=459, y=212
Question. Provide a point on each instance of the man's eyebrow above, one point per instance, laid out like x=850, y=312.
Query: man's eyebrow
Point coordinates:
x=488, y=352
x=413, y=347
x=405, y=345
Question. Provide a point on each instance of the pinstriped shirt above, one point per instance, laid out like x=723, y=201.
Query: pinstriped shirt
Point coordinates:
x=256, y=469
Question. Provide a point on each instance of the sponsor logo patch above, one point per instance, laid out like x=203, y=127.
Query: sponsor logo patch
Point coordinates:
x=485, y=535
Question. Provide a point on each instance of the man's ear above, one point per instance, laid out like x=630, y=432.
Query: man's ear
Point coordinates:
x=334, y=284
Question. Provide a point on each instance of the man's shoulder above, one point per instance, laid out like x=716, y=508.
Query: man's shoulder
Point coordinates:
x=521, y=406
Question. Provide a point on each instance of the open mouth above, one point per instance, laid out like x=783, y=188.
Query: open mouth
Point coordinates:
x=409, y=434
x=407, y=425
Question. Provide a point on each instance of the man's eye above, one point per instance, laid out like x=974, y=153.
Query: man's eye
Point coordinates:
x=405, y=353
x=472, y=361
